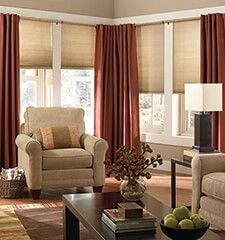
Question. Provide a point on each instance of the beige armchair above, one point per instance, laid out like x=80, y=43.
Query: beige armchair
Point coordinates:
x=208, y=188
x=60, y=168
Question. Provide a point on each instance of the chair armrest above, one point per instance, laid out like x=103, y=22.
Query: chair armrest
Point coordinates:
x=93, y=144
x=202, y=165
x=27, y=144
x=30, y=159
x=97, y=147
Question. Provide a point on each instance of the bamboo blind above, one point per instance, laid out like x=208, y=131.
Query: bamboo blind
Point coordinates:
x=186, y=54
x=150, y=51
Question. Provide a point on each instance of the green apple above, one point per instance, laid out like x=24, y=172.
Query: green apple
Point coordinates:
x=181, y=213
x=168, y=216
x=193, y=215
x=205, y=223
x=199, y=222
x=186, y=224
x=171, y=222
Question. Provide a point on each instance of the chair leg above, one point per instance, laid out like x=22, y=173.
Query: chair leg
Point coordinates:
x=35, y=193
x=97, y=189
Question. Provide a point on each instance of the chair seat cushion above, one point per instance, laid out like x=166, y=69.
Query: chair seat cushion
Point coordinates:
x=66, y=158
x=213, y=185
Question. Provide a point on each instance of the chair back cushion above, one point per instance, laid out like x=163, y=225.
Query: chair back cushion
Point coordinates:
x=37, y=117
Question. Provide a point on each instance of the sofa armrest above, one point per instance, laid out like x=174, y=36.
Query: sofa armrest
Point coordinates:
x=202, y=165
x=30, y=159
x=97, y=147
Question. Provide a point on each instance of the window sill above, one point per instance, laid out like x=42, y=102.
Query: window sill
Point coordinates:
x=183, y=141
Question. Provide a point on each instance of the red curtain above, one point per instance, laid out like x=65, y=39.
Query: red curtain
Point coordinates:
x=116, y=87
x=213, y=67
x=9, y=88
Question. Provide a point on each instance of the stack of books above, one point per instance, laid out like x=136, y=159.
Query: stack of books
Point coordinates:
x=189, y=154
x=119, y=224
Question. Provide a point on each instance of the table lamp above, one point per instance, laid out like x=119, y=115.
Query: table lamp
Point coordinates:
x=203, y=98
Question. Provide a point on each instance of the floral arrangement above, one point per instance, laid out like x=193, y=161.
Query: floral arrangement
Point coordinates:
x=131, y=165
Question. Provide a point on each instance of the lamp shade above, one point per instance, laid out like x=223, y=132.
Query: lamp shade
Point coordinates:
x=203, y=97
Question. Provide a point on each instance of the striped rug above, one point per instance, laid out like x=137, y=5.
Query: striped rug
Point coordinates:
x=10, y=226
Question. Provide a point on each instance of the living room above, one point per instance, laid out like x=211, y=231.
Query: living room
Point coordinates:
x=81, y=83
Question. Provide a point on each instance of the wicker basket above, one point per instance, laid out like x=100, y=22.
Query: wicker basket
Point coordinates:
x=12, y=188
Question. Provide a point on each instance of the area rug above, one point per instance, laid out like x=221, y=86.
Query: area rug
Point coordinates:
x=10, y=225
x=11, y=228
x=46, y=223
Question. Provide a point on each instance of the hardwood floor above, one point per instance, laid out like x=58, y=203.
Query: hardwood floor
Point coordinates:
x=158, y=186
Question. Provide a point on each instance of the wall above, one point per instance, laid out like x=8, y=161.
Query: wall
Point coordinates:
x=98, y=8
x=168, y=152
x=126, y=8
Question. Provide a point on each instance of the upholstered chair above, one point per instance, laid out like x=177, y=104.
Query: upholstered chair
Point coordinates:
x=208, y=188
x=62, y=167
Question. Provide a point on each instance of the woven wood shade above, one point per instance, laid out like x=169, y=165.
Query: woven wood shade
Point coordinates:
x=150, y=51
x=35, y=44
x=78, y=46
x=186, y=54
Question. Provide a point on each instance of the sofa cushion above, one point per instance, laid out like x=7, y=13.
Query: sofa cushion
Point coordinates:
x=213, y=185
x=66, y=158
x=58, y=137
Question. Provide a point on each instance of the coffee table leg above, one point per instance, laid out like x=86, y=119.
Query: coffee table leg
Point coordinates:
x=173, y=184
x=71, y=229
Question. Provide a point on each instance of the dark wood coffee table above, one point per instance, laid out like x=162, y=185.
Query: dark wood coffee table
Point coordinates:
x=87, y=208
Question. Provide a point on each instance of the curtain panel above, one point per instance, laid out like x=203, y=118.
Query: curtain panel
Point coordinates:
x=116, y=87
x=213, y=67
x=9, y=88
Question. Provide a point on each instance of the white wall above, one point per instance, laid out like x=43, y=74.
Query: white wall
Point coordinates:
x=97, y=8
x=127, y=8
x=168, y=152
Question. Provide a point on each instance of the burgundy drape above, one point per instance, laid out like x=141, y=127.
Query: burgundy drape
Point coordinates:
x=9, y=88
x=213, y=67
x=116, y=87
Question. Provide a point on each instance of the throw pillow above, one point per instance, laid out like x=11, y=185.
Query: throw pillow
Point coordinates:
x=58, y=137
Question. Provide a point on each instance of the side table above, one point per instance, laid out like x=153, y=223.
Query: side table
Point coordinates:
x=173, y=177
x=184, y=163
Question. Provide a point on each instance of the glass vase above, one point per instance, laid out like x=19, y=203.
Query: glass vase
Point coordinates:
x=132, y=189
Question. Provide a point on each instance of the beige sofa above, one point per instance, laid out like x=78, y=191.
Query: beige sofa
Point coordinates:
x=60, y=168
x=208, y=188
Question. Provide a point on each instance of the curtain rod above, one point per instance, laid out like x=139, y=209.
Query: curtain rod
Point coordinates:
x=56, y=21
x=169, y=21
x=84, y=24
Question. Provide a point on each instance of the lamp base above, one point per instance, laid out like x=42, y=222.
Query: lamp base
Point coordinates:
x=203, y=134
x=203, y=149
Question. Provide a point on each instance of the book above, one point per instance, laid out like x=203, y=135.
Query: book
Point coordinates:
x=133, y=228
x=128, y=224
x=114, y=215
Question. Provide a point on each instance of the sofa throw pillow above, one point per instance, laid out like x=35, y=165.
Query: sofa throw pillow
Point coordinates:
x=58, y=137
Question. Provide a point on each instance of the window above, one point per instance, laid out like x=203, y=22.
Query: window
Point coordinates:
x=150, y=53
x=28, y=89
x=186, y=118
x=35, y=88
x=77, y=90
x=189, y=124
x=151, y=112
x=186, y=68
